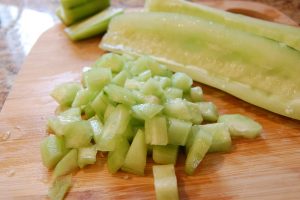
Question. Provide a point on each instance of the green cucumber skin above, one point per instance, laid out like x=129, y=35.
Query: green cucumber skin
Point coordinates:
x=283, y=33
x=247, y=66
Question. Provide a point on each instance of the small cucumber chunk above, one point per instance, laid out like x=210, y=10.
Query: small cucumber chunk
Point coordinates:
x=200, y=145
x=78, y=134
x=209, y=111
x=165, y=182
x=97, y=78
x=116, y=158
x=120, y=78
x=165, y=154
x=109, y=109
x=144, y=76
x=88, y=111
x=195, y=112
x=164, y=82
x=173, y=93
x=99, y=104
x=152, y=87
x=178, y=131
x=133, y=84
x=66, y=165
x=119, y=95
x=241, y=126
x=221, y=141
x=83, y=97
x=182, y=81
x=146, y=111
x=65, y=93
x=156, y=131
x=177, y=108
x=86, y=156
x=52, y=150
x=97, y=127
x=135, y=160
x=196, y=94
x=112, y=61
x=60, y=187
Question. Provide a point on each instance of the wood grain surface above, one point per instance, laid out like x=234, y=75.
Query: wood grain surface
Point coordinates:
x=264, y=168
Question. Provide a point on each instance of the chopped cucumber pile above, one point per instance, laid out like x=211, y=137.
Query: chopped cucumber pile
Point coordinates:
x=134, y=107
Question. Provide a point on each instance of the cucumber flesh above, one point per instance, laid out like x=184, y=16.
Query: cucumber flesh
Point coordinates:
x=165, y=182
x=112, y=61
x=86, y=156
x=100, y=104
x=146, y=111
x=173, y=93
x=83, y=97
x=118, y=94
x=177, y=108
x=60, y=187
x=165, y=154
x=72, y=3
x=116, y=158
x=156, y=131
x=92, y=26
x=67, y=164
x=209, y=111
x=196, y=94
x=135, y=160
x=182, y=81
x=97, y=127
x=255, y=69
x=178, y=131
x=97, y=78
x=241, y=126
x=65, y=93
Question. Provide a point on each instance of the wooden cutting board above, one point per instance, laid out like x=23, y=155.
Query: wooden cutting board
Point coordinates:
x=264, y=168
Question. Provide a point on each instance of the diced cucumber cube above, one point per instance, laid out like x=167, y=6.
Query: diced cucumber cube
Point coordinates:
x=182, y=81
x=152, y=87
x=178, y=131
x=83, y=97
x=165, y=154
x=164, y=82
x=52, y=150
x=146, y=111
x=65, y=93
x=156, y=131
x=86, y=156
x=135, y=160
x=139, y=66
x=195, y=112
x=151, y=99
x=97, y=78
x=209, y=111
x=241, y=126
x=67, y=164
x=173, y=93
x=110, y=60
x=144, y=76
x=196, y=94
x=119, y=95
x=99, y=104
x=60, y=187
x=133, y=84
x=97, y=127
x=201, y=143
x=89, y=111
x=78, y=134
x=114, y=127
x=116, y=157
x=165, y=182
x=221, y=141
x=109, y=109
x=191, y=138
x=177, y=108
x=120, y=78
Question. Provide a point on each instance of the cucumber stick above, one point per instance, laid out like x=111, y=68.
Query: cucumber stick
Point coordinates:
x=283, y=33
x=92, y=26
x=258, y=70
x=60, y=187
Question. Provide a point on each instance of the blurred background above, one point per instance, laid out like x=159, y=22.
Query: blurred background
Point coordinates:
x=23, y=21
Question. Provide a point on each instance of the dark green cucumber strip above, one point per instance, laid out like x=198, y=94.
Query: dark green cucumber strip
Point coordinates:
x=72, y=3
x=92, y=26
x=283, y=33
x=258, y=70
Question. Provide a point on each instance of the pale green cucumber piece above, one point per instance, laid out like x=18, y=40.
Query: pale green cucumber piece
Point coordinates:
x=139, y=65
x=156, y=132
x=65, y=93
x=109, y=109
x=57, y=123
x=152, y=87
x=60, y=187
x=52, y=150
x=191, y=137
x=118, y=94
x=111, y=60
x=195, y=112
x=114, y=127
x=73, y=15
x=97, y=127
x=182, y=81
x=178, y=131
x=177, y=108
x=165, y=182
x=116, y=158
x=255, y=69
x=165, y=154
x=144, y=76
x=99, y=104
x=83, y=97
x=72, y=3
x=209, y=111
x=144, y=63
x=138, y=96
x=196, y=94
x=92, y=26
x=133, y=84
x=241, y=126
x=97, y=78
x=67, y=164
x=135, y=160
x=120, y=78
x=86, y=156
x=164, y=82
x=89, y=111
x=151, y=99
x=201, y=143
x=221, y=140
x=146, y=111
x=78, y=134
x=283, y=33
x=173, y=93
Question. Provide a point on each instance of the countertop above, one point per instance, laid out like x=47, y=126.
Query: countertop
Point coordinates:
x=23, y=21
